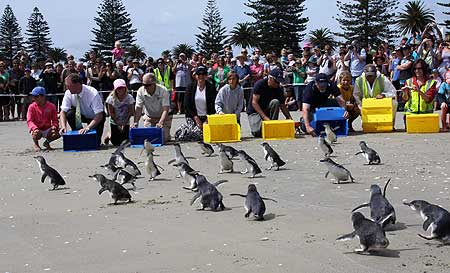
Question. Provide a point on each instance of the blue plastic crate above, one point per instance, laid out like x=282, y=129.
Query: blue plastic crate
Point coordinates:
x=333, y=116
x=138, y=135
x=75, y=142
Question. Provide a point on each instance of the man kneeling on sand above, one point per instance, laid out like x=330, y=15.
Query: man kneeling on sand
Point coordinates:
x=42, y=119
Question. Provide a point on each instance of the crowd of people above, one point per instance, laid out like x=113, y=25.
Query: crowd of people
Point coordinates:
x=414, y=73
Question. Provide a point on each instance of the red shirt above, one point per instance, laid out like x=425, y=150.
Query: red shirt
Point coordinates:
x=431, y=92
x=42, y=118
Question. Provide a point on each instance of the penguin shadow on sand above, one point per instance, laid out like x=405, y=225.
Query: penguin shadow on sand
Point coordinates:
x=120, y=203
x=387, y=253
x=395, y=227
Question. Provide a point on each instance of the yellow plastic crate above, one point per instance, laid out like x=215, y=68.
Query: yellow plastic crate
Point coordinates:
x=422, y=123
x=222, y=119
x=278, y=129
x=376, y=115
x=221, y=133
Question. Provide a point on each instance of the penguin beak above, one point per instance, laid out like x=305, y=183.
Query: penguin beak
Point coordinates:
x=324, y=160
x=406, y=203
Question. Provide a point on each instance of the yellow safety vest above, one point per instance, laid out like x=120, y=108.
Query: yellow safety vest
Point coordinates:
x=163, y=79
x=378, y=86
x=415, y=103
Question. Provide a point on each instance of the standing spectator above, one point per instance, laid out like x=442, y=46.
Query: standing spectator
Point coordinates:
x=50, y=82
x=443, y=100
x=82, y=103
x=153, y=98
x=405, y=66
x=298, y=81
x=26, y=85
x=120, y=73
x=36, y=71
x=243, y=71
x=15, y=73
x=117, y=52
x=395, y=73
x=443, y=56
x=107, y=78
x=306, y=52
x=120, y=108
x=341, y=64
x=4, y=100
x=71, y=68
x=135, y=77
x=42, y=119
x=256, y=70
x=228, y=51
x=149, y=65
x=427, y=52
x=311, y=69
x=220, y=74
x=82, y=72
x=266, y=100
x=92, y=59
x=326, y=63
x=163, y=74
x=182, y=72
x=59, y=69
x=380, y=63
x=93, y=74
x=357, y=58
x=230, y=99
x=200, y=97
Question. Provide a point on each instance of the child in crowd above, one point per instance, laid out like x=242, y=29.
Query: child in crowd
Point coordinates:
x=120, y=107
x=346, y=89
x=311, y=69
x=42, y=119
x=117, y=52
x=443, y=99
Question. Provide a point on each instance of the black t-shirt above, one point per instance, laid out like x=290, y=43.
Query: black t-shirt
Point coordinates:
x=315, y=98
x=266, y=93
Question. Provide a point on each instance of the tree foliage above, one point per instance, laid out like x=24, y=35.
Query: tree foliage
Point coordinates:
x=367, y=21
x=182, y=48
x=57, y=54
x=38, y=32
x=414, y=17
x=322, y=37
x=10, y=38
x=243, y=35
x=446, y=22
x=278, y=23
x=212, y=33
x=113, y=24
x=136, y=52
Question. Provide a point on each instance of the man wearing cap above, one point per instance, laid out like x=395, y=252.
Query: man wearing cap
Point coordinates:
x=372, y=84
x=50, y=79
x=266, y=99
x=154, y=99
x=42, y=119
x=317, y=94
x=82, y=103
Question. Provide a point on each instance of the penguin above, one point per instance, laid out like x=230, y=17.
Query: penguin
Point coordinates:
x=230, y=151
x=226, y=164
x=380, y=207
x=118, y=192
x=179, y=156
x=188, y=174
x=148, y=147
x=272, y=156
x=206, y=148
x=55, y=178
x=330, y=135
x=436, y=219
x=371, y=235
x=369, y=154
x=111, y=165
x=125, y=163
x=151, y=167
x=210, y=196
x=325, y=146
x=338, y=171
x=124, y=176
x=253, y=202
x=254, y=168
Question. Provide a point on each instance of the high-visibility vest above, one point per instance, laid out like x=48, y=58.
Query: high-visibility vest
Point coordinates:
x=163, y=79
x=363, y=85
x=415, y=103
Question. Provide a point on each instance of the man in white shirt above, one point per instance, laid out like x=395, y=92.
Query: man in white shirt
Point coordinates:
x=82, y=104
x=153, y=98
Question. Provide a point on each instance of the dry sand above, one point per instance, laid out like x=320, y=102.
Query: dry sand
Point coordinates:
x=76, y=230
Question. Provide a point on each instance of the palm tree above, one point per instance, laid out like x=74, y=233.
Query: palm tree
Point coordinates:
x=166, y=53
x=136, y=52
x=57, y=54
x=321, y=37
x=183, y=48
x=243, y=35
x=414, y=17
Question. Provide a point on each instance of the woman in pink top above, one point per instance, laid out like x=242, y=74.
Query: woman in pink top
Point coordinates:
x=256, y=70
x=42, y=119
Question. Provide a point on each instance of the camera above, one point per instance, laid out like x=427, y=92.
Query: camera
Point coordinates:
x=351, y=47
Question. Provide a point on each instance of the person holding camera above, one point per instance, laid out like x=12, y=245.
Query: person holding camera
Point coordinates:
x=135, y=77
x=326, y=63
x=443, y=56
x=50, y=79
x=182, y=70
x=357, y=58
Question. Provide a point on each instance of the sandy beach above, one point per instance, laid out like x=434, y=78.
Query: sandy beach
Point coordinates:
x=76, y=230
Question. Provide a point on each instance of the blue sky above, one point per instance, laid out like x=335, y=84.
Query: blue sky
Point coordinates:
x=160, y=24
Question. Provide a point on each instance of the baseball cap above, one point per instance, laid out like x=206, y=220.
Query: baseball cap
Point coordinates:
x=277, y=75
x=37, y=91
x=307, y=45
x=48, y=63
x=135, y=61
x=119, y=83
x=322, y=79
x=370, y=70
x=201, y=70
x=27, y=69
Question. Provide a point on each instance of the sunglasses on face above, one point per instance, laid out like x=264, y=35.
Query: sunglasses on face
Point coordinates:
x=147, y=84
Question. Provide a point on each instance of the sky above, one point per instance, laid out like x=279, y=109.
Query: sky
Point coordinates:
x=160, y=24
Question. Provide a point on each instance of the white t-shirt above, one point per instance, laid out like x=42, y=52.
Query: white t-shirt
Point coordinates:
x=121, y=108
x=200, y=101
x=135, y=75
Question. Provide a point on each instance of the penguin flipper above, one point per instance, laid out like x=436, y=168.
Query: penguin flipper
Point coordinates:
x=269, y=199
x=219, y=182
x=44, y=175
x=196, y=196
x=387, y=217
x=385, y=187
x=427, y=223
x=360, y=152
x=326, y=175
x=171, y=161
x=360, y=206
x=101, y=191
x=346, y=237
x=238, y=194
x=160, y=167
x=426, y=237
